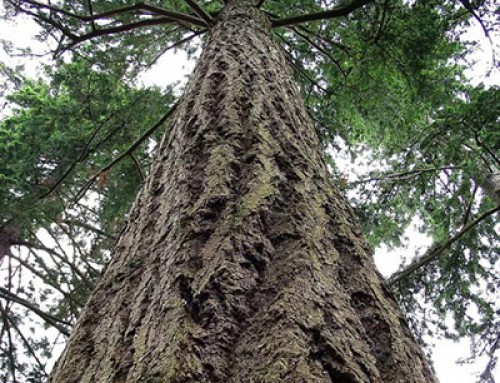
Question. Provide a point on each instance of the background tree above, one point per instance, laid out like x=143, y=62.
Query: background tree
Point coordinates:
x=374, y=77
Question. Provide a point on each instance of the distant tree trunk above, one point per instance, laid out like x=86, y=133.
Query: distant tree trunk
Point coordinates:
x=241, y=262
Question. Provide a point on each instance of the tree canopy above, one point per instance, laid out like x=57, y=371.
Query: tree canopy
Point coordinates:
x=385, y=84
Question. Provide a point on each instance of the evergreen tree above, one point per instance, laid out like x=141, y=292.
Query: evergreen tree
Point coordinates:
x=238, y=239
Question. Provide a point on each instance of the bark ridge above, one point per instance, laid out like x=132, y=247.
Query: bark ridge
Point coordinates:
x=241, y=262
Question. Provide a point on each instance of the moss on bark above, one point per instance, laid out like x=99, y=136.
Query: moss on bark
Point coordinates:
x=241, y=262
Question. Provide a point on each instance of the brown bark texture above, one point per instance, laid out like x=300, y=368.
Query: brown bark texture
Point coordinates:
x=241, y=262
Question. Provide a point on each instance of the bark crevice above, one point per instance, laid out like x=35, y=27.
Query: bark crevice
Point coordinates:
x=241, y=262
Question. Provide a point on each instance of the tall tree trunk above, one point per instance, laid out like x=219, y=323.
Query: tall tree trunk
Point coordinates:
x=241, y=262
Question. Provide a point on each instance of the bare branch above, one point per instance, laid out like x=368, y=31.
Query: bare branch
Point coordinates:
x=336, y=12
x=435, y=252
x=140, y=6
x=199, y=11
x=45, y=13
x=118, y=29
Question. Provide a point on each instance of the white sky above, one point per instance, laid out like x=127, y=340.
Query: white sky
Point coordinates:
x=175, y=67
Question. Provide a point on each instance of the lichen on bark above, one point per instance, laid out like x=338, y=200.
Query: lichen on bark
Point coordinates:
x=241, y=262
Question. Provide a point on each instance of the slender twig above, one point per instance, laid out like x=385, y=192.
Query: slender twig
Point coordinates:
x=84, y=154
x=63, y=275
x=300, y=70
x=435, y=252
x=167, y=16
x=480, y=143
x=91, y=11
x=77, y=249
x=131, y=148
x=336, y=12
x=330, y=42
x=66, y=32
x=467, y=5
x=63, y=279
x=382, y=22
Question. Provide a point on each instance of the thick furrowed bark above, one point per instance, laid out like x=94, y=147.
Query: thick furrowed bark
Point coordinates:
x=241, y=262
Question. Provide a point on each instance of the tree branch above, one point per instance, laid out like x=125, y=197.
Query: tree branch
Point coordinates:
x=58, y=256
x=25, y=340
x=45, y=278
x=140, y=6
x=11, y=351
x=137, y=165
x=401, y=175
x=434, y=253
x=40, y=11
x=336, y=12
x=300, y=70
x=131, y=148
x=118, y=29
x=175, y=45
x=86, y=226
x=319, y=49
x=86, y=151
x=332, y=44
x=200, y=11
x=52, y=320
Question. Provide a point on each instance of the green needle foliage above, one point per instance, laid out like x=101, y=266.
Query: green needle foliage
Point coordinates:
x=62, y=131
x=384, y=82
